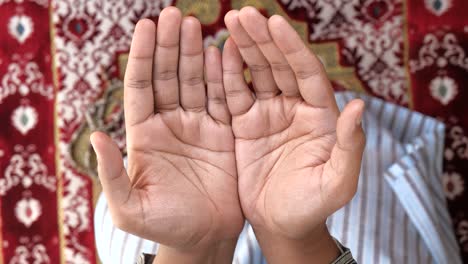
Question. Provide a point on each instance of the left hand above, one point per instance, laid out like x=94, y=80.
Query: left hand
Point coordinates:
x=298, y=158
x=181, y=187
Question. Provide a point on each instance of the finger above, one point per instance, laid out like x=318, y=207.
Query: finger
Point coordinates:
x=217, y=106
x=312, y=79
x=167, y=59
x=115, y=182
x=262, y=77
x=256, y=25
x=138, y=93
x=192, y=85
x=342, y=170
x=238, y=95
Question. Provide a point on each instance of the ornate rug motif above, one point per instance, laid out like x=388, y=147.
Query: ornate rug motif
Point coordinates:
x=409, y=52
x=30, y=223
x=438, y=70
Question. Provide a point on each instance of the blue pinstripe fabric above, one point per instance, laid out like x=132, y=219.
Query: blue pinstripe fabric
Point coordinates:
x=398, y=215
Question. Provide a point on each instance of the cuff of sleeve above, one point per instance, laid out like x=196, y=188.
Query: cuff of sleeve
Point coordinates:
x=145, y=259
x=345, y=255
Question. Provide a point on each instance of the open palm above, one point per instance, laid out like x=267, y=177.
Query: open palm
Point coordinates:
x=298, y=159
x=181, y=187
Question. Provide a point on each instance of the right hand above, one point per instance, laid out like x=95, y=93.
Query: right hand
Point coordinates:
x=181, y=186
x=298, y=157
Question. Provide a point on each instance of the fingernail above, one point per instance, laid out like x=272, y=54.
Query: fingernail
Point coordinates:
x=92, y=145
x=359, y=119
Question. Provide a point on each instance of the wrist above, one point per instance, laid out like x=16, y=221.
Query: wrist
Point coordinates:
x=317, y=246
x=220, y=252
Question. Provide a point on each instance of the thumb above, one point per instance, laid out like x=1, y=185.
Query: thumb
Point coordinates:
x=343, y=168
x=113, y=176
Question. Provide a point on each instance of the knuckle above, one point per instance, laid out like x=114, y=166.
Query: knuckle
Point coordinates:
x=234, y=93
x=308, y=71
x=296, y=51
x=192, y=54
x=166, y=75
x=259, y=67
x=192, y=81
x=137, y=83
x=232, y=72
x=193, y=103
x=167, y=106
x=168, y=45
x=217, y=100
x=247, y=46
x=280, y=67
x=291, y=92
x=215, y=81
x=196, y=109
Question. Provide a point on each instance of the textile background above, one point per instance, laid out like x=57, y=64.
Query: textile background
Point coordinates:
x=61, y=72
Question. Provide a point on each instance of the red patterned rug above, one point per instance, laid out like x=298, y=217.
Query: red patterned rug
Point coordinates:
x=61, y=69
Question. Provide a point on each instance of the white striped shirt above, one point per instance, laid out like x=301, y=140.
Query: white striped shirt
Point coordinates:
x=398, y=215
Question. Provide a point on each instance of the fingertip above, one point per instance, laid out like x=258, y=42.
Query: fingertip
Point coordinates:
x=351, y=116
x=213, y=48
x=143, y=38
x=361, y=107
x=250, y=18
x=92, y=137
x=92, y=140
x=358, y=104
x=191, y=36
x=231, y=19
x=145, y=24
x=278, y=26
x=231, y=55
x=350, y=132
x=171, y=11
x=275, y=20
x=101, y=144
x=230, y=45
x=144, y=32
x=231, y=16
x=213, y=68
x=169, y=17
x=255, y=24
x=169, y=26
x=360, y=111
x=96, y=138
x=212, y=54
x=355, y=108
x=191, y=22
x=248, y=11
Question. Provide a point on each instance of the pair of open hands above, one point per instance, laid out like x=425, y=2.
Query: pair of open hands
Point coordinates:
x=204, y=151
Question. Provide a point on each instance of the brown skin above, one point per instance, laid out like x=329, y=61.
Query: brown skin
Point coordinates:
x=181, y=187
x=288, y=161
x=297, y=159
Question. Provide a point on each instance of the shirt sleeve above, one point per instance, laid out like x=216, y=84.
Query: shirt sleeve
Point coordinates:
x=145, y=259
x=345, y=256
